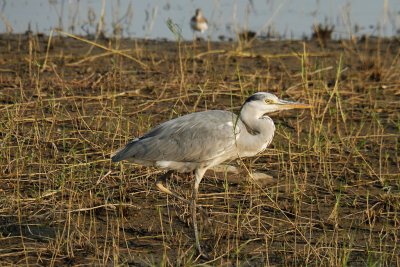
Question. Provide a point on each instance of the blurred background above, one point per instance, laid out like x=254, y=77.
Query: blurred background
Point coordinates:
x=272, y=19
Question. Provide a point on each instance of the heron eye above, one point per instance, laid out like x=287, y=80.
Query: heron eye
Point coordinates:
x=268, y=101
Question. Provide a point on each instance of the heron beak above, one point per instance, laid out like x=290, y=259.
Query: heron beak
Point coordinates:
x=283, y=105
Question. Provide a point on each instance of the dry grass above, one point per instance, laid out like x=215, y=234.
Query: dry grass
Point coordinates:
x=334, y=199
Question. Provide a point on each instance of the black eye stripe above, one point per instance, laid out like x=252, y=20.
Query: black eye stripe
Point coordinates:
x=255, y=97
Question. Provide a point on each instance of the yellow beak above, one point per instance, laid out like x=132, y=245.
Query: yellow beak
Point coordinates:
x=283, y=104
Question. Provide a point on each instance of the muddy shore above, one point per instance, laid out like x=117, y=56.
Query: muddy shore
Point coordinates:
x=332, y=196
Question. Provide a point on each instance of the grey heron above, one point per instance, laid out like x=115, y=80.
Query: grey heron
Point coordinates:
x=201, y=140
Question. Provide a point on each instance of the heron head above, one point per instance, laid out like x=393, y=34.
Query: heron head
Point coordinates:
x=263, y=103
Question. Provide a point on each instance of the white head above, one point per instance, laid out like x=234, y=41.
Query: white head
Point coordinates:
x=262, y=103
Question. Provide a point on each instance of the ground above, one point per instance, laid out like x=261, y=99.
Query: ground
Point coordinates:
x=66, y=104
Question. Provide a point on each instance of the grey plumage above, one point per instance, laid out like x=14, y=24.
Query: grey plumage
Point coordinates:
x=199, y=141
x=182, y=140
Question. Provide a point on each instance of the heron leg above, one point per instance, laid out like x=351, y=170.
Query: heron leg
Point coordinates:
x=199, y=173
x=160, y=185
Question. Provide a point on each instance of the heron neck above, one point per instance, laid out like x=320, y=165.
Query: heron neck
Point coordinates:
x=260, y=127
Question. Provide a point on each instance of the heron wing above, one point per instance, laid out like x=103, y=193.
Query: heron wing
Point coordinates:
x=196, y=137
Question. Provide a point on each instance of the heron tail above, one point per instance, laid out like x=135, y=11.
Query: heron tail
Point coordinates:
x=123, y=152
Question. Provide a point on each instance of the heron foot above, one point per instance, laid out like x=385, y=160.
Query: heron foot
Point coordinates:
x=160, y=185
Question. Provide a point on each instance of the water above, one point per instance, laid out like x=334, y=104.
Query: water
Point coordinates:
x=290, y=19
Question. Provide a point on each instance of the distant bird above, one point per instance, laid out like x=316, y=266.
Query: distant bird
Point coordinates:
x=201, y=140
x=198, y=23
